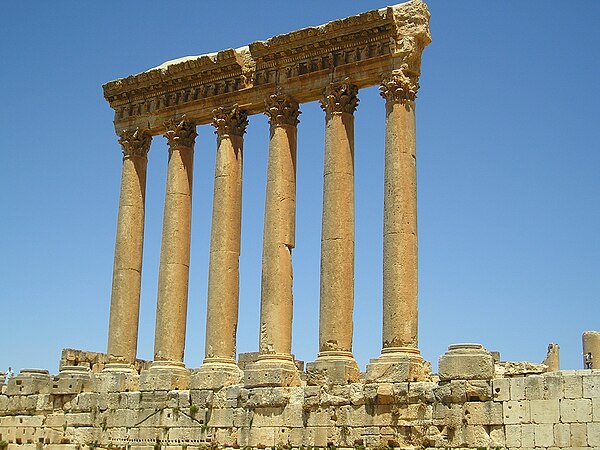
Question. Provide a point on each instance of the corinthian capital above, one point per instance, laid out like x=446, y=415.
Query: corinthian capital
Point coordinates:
x=400, y=86
x=340, y=98
x=135, y=142
x=232, y=121
x=282, y=110
x=180, y=133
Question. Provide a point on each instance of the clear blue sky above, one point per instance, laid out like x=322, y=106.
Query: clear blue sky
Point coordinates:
x=508, y=176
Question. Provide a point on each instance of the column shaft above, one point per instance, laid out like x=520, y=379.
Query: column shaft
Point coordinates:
x=400, y=315
x=279, y=229
x=337, y=241
x=125, y=296
x=171, y=310
x=223, y=277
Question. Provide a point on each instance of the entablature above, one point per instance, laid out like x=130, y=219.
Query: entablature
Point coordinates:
x=301, y=64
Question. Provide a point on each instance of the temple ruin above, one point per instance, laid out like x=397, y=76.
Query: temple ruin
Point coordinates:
x=267, y=399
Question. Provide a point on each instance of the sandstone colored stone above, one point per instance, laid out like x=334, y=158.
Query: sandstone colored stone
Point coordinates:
x=466, y=362
x=576, y=410
x=544, y=411
x=562, y=435
x=591, y=386
x=591, y=348
x=544, y=435
x=516, y=412
x=572, y=384
x=501, y=389
x=578, y=435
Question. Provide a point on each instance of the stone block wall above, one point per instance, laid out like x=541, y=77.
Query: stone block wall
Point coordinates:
x=531, y=411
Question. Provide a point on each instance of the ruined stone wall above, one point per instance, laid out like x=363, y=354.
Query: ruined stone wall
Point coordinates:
x=71, y=411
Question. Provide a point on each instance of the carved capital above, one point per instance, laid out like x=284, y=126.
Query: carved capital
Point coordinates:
x=232, y=121
x=135, y=143
x=282, y=110
x=400, y=86
x=180, y=133
x=340, y=98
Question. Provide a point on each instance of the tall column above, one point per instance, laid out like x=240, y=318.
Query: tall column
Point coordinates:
x=400, y=314
x=275, y=366
x=127, y=271
x=591, y=349
x=335, y=361
x=171, y=308
x=219, y=367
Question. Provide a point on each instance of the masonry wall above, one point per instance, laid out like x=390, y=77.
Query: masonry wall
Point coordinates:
x=542, y=411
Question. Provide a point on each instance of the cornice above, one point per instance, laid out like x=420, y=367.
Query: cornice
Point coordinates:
x=301, y=63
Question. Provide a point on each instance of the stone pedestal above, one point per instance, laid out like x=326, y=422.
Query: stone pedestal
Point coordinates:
x=223, y=272
x=165, y=376
x=29, y=382
x=216, y=374
x=116, y=377
x=335, y=361
x=73, y=380
x=171, y=307
x=466, y=362
x=332, y=367
x=127, y=271
x=397, y=365
x=591, y=348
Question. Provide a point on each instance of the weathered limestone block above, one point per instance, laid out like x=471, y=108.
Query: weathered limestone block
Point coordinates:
x=562, y=435
x=516, y=412
x=517, y=388
x=501, y=389
x=576, y=410
x=108, y=381
x=593, y=434
x=572, y=384
x=544, y=411
x=466, y=362
x=483, y=413
x=30, y=381
x=520, y=368
x=578, y=435
x=591, y=386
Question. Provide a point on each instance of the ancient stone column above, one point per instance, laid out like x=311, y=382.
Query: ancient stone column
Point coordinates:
x=275, y=366
x=335, y=361
x=552, y=359
x=591, y=349
x=400, y=314
x=127, y=271
x=219, y=367
x=171, y=308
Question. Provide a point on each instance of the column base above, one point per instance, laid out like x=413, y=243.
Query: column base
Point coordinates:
x=272, y=370
x=332, y=367
x=216, y=373
x=397, y=364
x=117, y=377
x=73, y=380
x=165, y=376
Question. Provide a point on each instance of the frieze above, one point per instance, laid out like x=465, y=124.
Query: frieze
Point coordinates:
x=302, y=63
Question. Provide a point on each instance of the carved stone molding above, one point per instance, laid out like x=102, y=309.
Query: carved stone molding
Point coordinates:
x=135, y=142
x=282, y=110
x=340, y=98
x=399, y=86
x=362, y=48
x=180, y=133
x=230, y=121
